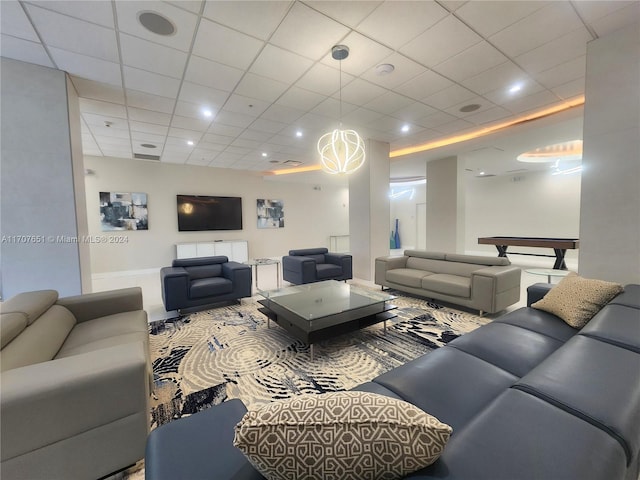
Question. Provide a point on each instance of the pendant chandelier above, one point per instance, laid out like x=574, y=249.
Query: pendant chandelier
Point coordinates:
x=341, y=151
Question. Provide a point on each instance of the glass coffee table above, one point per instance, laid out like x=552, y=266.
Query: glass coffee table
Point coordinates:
x=317, y=311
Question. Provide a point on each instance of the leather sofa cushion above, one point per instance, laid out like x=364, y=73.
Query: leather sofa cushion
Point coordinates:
x=204, y=271
x=453, y=285
x=208, y=287
x=407, y=276
x=40, y=341
x=441, y=383
x=538, y=321
x=616, y=324
x=308, y=252
x=630, y=297
x=194, y=262
x=106, y=332
x=611, y=403
x=328, y=270
x=374, y=387
x=32, y=304
x=426, y=264
x=11, y=324
x=511, y=348
x=523, y=437
x=319, y=259
x=478, y=260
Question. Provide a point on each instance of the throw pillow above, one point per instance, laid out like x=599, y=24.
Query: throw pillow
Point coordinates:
x=341, y=436
x=576, y=299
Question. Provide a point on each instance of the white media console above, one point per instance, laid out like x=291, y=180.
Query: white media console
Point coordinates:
x=235, y=250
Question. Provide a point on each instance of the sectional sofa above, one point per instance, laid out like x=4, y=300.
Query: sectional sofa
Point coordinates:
x=75, y=384
x=487, y=284
x=528, y=397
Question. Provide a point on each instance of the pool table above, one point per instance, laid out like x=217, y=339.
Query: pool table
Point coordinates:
x=559, y=246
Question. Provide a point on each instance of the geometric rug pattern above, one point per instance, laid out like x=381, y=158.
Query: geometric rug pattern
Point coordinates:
x=205, y=358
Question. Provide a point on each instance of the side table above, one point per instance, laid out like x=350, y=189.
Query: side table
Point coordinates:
x=257, y=262
x=549, y=272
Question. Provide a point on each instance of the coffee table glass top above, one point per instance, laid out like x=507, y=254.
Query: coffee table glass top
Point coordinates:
x=312, y=301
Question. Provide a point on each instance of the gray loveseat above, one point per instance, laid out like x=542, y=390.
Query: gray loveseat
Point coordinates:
x=528, y=397
x=75, y=384
x=487, y=284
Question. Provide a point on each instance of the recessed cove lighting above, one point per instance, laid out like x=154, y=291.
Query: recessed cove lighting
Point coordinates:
x=156, y=23
x=571, y=150
x=472, y=107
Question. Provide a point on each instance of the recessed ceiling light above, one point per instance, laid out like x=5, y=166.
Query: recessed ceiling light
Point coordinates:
x=299, y=133
x=189, y=142
x=515, y=88
x=384, y=69
x=264, y=154
x=147, y=145
x=481, y=173
x=405, y=128
x=472, y=107
x=156, y=23
x=207, y=113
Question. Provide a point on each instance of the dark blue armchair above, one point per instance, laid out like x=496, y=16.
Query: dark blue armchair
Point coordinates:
x=193, y=283
x=310, y=265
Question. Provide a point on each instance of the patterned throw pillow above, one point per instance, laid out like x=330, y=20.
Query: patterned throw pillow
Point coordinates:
x=576, y=299
x=340, y=436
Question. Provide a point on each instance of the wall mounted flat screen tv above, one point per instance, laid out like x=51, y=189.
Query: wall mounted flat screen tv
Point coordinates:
x=199, y=212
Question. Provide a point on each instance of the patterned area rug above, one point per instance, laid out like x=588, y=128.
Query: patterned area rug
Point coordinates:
x=205, y=358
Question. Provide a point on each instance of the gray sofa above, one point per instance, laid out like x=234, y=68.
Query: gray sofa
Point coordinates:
x=191, y=284
x=528, y=397
x=74, y=398
x=487, y=284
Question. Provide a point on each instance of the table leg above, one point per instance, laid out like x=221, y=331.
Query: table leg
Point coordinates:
x=560, y=265
x=278, y=274
x=311, y=351
x=502, y=250
x=257, y=288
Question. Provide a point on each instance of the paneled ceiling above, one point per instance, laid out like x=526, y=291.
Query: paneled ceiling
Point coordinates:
x=251, y=85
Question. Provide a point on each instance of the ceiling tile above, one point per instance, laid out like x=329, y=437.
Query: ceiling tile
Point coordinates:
x=98, y=107
x=233, y=119
x=570, y=89
x=262, y=88
x=148, y=101
x=117, y=133
x=138, y=138
x=89, y=68
x=148, y=116
x=348, y=13
x=445, y=39
x=152, y=57
x=434, y=120
x=97, y=119
x=323, y=79
x=491, y=16
x=360, y=92
x=414, y=111
x=128, y=11
x=484, y=105
x=315, y=39
x=279, y=64
x=542, y=26
x=597, y=9
x=193, y=110
x=454, y=127
x=564, y=73
x=404, y=70
x=97, y=90
x=423, y=85
x=204, y=97
x=212, y=74
x=331, y=108
x=395, y=23
x=75, y=35
x=24, y=50
x=15, y=23
x=224, y=45
x=499, y=77
x=192, y=5
x=185, y=134
x=490, y=115
x=360, y=116
x=257, y=18
x=282, y=113
x=623, y=17
x=94, y=12
x=245, y=105
x=190, y=123
x=555, y=52
x=363, y=54
x=472, y=61
x=531, y=102
x=142, y=127
x=388, y=103
x=151, y=83
x=300, y=98
x=220, y=139
x=270, y=126
x=448, y=97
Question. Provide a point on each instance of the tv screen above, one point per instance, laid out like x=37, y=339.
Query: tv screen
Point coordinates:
x=199, y=212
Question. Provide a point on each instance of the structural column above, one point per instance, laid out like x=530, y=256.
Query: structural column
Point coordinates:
x=445, y=206
x=43, y=208
x=369, y=210
x=610, y=189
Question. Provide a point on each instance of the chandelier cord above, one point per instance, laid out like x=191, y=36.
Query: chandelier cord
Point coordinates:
x=340, y=91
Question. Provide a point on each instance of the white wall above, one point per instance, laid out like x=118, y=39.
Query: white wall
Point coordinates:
x=311, y=215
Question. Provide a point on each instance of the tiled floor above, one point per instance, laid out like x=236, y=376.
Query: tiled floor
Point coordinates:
x=149, y=281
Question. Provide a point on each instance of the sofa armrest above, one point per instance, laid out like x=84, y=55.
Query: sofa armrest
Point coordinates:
x=51, y=401
x=175, y=287
x=344, y=260
x=100, y=304
x=240, y=276
x=537, y=291
x=505, y=278
x=383, y=264
x=298, y=269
